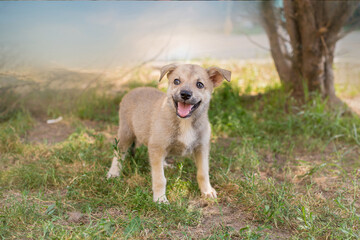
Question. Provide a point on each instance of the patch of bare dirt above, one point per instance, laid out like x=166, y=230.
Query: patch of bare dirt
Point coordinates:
x=60, y=131
x=75, y=217
x=224, y=215
x=353, y=103
x=324, y=168
x=9, y=197
x=49, y=133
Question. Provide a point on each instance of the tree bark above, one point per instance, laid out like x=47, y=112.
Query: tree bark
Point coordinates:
x=313, y=28
x=292, y=28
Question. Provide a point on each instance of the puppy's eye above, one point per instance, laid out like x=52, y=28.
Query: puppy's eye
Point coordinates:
x=177, y=81
x=199, y=85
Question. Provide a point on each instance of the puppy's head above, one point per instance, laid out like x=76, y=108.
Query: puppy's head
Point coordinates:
x=190, y=86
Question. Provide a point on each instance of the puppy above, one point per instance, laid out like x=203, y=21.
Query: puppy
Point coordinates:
x=175, y=123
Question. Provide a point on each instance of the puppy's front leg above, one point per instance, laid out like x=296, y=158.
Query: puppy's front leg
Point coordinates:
x=202, y=164
x=115, y=165
x=157, y=157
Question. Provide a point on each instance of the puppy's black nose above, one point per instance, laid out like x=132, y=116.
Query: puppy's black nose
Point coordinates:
x=185, y=94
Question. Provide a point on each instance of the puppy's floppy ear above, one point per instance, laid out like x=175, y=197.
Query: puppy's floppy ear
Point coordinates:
x=217, y=75
x=167, y=69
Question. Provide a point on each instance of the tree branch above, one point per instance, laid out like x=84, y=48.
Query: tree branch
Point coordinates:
x=292, y=29
x=343, y=12
x=278, y=48
x=254, y=42
x=352, y=28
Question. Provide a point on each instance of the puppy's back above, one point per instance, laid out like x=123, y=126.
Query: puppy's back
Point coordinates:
x=141, y=96
x=137, y=107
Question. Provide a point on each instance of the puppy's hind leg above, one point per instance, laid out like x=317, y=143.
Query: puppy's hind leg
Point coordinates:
x=125, y=139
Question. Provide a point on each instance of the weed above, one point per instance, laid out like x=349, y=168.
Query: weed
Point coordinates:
x=90, y=105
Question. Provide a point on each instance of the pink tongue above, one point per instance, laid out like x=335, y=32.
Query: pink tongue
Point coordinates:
x=184, y=109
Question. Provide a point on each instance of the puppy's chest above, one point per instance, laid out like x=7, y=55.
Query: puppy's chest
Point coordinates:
x=185, y=140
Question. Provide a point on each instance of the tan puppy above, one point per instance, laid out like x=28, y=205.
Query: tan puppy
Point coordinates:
x=175, y=123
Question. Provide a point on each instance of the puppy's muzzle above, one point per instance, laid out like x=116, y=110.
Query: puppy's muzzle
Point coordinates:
x=185, y=104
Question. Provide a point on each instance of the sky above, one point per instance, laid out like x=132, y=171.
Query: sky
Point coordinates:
x=95, y=34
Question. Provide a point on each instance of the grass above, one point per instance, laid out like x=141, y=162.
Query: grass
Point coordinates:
x=282, y=171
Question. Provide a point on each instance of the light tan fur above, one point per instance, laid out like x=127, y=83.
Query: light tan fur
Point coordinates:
x=149, y=116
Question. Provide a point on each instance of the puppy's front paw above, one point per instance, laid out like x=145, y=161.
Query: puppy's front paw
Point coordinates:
x=210, y=194
x=112, y=174
x=161, y=199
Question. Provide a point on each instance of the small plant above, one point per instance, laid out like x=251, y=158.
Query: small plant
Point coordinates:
x=307, y=220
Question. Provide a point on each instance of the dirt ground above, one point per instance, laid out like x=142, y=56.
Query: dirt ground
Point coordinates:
x=49, y=133
x=353, y=103
x=214, y=215
x=43, y=132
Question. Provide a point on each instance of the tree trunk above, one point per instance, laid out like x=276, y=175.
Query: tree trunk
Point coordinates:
x=312, y=29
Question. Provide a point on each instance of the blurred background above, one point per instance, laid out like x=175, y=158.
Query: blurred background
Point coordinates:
x=106, y=35
x=98, y=35
x=82, y=45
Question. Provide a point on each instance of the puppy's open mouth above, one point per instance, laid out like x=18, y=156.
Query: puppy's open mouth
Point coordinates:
x=185, y=110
